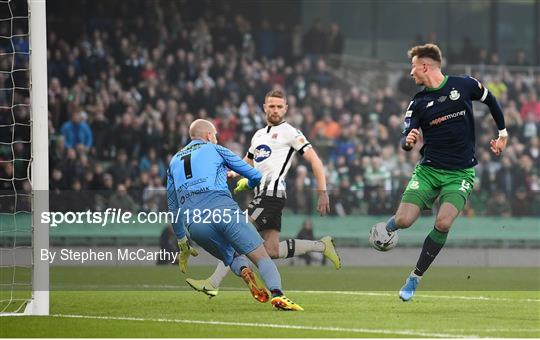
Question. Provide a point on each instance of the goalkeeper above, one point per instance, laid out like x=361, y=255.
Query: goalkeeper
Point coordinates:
x=199, y=198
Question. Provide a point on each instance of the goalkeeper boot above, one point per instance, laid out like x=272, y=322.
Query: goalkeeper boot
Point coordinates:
x=407, y=291
x=203, y=286
x=330, y=251
x=284, y=303
x=258, y=291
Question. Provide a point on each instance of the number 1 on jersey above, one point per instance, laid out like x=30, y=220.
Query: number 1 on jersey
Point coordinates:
x=187, y=165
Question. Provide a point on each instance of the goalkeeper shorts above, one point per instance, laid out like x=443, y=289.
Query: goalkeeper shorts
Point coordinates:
x=225, y=238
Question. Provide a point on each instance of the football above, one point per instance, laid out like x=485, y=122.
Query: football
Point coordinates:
x=381, y=239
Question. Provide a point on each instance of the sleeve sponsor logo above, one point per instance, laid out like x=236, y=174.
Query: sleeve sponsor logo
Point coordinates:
x=407, y=123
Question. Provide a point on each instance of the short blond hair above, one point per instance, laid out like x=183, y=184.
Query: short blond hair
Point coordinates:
x=275, y=94
x=430, y=51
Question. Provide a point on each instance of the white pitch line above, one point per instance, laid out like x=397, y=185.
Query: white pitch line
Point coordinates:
x=338, y=292
x=268, y=325
x=456, y=297
x=492, y=330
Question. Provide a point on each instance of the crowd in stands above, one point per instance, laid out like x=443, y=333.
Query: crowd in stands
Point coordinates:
x=123, y=94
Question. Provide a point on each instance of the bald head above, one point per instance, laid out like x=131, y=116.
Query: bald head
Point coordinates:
x=202, y=129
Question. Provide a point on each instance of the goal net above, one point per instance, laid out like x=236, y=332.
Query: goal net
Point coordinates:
x=24, y=281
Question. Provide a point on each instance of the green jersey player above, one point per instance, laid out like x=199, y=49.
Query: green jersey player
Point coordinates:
x=443, y=111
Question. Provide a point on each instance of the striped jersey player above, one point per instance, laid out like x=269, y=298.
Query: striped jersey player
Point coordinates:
x=271, y=151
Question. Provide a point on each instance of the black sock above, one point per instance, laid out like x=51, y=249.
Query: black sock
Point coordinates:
x=276, y=292
x=432, y=246
x=290, y=248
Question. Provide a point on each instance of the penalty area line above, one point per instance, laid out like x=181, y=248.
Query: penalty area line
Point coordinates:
x=267, y=325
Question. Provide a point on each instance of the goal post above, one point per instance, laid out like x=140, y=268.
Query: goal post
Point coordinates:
x=39, y=305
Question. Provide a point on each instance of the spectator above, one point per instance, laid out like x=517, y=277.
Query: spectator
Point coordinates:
x=498, y=205
x=141, y=94
x=265, y=40
x=126, y=137
x=169, y=245
x=336, y=41
x=149, y=159
x=314, y=41
x=520, y=203
x=531, y=105
x=306, y=233
x=302, y=193
x=121, y=169
x=327, y=128
x=77, y=132
x=101, y=130
x=520, y=59
x=122, y=200
x=155, y=196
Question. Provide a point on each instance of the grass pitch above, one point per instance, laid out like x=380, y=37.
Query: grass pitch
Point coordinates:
x=352, y=302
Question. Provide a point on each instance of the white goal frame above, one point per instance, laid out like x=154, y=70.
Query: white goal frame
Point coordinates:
x=39, y=305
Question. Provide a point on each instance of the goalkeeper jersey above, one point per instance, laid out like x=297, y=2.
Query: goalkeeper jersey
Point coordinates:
x=271, y=150
x=197, y=179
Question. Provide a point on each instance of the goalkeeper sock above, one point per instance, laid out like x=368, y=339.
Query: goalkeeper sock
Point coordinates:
x=219, y=274
x=269, y=273
x=238, y=264
x=432, y=246
x=295, y=247
x=391, y=224
x=276, y=292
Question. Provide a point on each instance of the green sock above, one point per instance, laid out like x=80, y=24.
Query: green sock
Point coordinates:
x=432, y=246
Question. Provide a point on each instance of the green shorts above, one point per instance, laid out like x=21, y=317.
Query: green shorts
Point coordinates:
x=428, y=183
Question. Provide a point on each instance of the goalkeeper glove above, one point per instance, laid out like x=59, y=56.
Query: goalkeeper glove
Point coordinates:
x=185, y=250
x=242, y=185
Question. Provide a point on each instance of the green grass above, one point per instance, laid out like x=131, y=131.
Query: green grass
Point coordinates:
x=352, y=302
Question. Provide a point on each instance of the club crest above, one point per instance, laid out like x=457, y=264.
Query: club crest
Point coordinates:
x=454, y=95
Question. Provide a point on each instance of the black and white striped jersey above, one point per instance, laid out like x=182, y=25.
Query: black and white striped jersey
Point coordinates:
x=271, y=150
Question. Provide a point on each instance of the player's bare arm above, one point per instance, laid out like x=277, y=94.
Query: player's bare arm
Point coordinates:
x=323, y=206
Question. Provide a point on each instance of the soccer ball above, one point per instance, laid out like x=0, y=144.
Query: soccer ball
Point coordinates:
x=381, y=239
